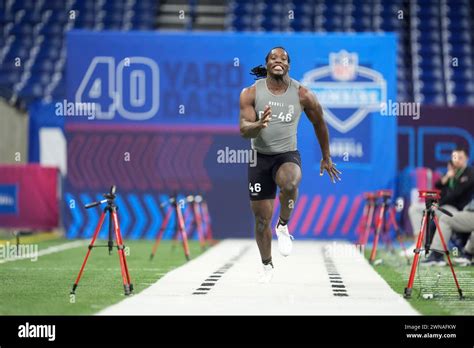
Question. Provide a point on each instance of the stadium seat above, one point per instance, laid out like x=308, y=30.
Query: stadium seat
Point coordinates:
x=437, y=34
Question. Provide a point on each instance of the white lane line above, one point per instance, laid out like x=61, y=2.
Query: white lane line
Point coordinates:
x=47, y=251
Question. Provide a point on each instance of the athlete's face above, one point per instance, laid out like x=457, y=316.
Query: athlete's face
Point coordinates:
x=277, y=63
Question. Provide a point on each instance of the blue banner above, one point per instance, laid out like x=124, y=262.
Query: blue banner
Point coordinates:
x=8, y=199
x=192, y=80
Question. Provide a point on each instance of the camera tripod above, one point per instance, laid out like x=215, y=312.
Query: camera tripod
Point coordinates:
x=114, y=230
x=200, y=221
x=197, y=221
x=431, y=205
x=179, y=227
x=383, y=223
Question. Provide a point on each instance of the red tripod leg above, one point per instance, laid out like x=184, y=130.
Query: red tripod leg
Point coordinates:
x=91, y=245
x=368, y=226
x=198, y=220
x=207, y=222
x=182, y=231
x=121, y=252
x=119, y=233
x=447, y=254
x=161, y=232
x=411, y=279
x=385, y=234
x=177, y=231
x=363, y=222
x=380, y=224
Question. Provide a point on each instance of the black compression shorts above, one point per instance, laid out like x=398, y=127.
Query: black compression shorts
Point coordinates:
x=261, y=177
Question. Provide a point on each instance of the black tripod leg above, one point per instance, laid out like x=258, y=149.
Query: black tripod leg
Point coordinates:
x=110, y=242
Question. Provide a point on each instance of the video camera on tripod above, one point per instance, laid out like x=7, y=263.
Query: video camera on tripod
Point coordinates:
x=114, y=231
x=431, y=198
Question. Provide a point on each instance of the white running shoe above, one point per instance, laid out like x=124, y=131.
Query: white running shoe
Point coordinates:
x=285, y=243
x=267, y=274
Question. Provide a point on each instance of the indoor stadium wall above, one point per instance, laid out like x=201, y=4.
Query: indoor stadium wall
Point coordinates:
x=14, y=134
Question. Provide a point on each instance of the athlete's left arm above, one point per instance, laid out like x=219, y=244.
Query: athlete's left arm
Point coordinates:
x=314, y=111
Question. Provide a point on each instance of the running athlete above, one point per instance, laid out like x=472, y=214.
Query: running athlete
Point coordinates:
x=270, y=110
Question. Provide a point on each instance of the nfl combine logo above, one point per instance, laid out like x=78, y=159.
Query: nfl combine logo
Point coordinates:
x=343, y=65
x=347, y=91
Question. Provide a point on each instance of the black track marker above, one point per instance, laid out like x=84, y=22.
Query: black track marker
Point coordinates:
x=335, y=279
x=205, y=287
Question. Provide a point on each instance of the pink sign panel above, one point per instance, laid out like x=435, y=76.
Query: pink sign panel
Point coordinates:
x=28, y=197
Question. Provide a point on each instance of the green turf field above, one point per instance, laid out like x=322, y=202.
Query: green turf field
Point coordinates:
x=429, y=280
x=42, y=287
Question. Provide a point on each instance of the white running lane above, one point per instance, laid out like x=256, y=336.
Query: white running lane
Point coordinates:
x=301, y=285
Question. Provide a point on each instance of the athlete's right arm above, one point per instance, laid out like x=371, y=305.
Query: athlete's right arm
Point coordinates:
x=250, y=127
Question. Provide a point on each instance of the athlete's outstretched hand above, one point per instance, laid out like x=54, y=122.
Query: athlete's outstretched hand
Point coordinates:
x=267, y=113
x=327, y=165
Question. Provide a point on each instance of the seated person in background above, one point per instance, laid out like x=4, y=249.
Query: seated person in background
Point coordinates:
x=449, y=173
x=457, y=187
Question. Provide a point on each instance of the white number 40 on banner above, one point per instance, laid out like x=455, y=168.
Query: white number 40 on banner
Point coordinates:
x=106, y=86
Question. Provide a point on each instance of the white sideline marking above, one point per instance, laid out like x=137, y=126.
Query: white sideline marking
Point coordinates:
x=50, y=250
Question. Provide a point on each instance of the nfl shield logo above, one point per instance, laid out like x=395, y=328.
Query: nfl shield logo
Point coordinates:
x=344, y=65
x=347, y=91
